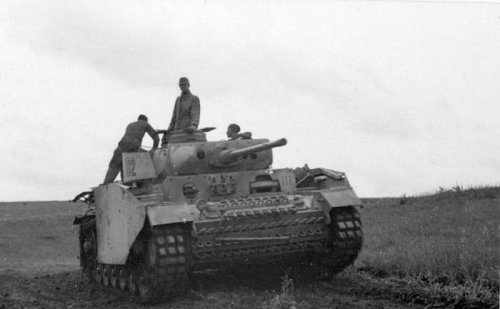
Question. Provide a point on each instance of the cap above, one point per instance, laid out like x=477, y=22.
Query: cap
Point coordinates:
x=183, y=81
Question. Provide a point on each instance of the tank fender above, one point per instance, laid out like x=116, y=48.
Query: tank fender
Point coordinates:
x=166, y=213
x=120, y=217
x=334, y=198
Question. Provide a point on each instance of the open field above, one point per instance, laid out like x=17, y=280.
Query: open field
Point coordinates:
x=38, y=237
x=451, y=236
x=446, y=243
x=439, y=250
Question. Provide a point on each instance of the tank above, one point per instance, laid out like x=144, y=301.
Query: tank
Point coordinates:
x=195, y=204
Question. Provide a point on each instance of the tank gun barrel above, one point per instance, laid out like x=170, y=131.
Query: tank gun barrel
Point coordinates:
x=230, y=155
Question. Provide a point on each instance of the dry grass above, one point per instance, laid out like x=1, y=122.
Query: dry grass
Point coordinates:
x=285, y=299
x=448, y=241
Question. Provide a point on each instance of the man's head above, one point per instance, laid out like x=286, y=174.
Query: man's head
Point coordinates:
x=232, y=130
x=143, y=118
x=184, y=84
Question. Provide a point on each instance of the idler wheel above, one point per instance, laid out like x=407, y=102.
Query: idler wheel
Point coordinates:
x=113, y=276
x=122, y=278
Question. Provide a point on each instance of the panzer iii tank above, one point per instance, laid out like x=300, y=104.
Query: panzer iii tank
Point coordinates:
x=193, y=205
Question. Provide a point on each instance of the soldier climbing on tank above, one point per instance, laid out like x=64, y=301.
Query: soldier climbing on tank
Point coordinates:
x=233, y=132
x=130, y=142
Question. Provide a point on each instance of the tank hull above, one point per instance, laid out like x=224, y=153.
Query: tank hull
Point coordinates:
x=253, y=230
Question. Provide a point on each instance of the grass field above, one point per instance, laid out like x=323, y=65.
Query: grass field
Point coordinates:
x=38, y=237
x=447, y=242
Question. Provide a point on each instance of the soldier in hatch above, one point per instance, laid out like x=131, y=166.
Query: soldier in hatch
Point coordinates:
x=233, y=132
x=186, y=115
x=130, y=142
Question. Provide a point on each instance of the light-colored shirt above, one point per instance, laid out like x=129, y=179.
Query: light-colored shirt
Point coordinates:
x=186, y=112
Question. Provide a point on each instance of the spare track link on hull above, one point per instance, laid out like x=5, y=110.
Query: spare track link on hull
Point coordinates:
x=158, y=273
x=340, y=241
x=306, y=232
x=347, y=238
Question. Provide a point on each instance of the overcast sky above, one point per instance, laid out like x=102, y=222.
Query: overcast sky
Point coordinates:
x=403, y=96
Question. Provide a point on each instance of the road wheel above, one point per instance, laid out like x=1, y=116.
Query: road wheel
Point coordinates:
x=122, y=278
x=145, y=283
x=114, y=276
x=98, y=273
x=105, y=275
x=132, y=283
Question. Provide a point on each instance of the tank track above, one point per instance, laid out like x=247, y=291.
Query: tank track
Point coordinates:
x=88, y=245
x=346, y=239
x=158, y=272
x=164, y=273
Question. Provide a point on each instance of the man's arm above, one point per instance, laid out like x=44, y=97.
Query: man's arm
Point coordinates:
x=154, y=135
x=195, y=112
x=245, y=135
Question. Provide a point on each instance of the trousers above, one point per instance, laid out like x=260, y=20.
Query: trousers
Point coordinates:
x=127, y=144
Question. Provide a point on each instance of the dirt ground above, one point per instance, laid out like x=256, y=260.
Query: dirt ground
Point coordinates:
x=39, y=268
x=69, y=289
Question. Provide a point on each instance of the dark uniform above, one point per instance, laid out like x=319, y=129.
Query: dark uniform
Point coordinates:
x=233, y=132
x=130, y=142
x=187, y=109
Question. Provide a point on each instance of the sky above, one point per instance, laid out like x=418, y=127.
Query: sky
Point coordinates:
x=402, y=96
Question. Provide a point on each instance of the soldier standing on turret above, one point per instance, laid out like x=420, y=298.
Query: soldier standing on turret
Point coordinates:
x=186, y=115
